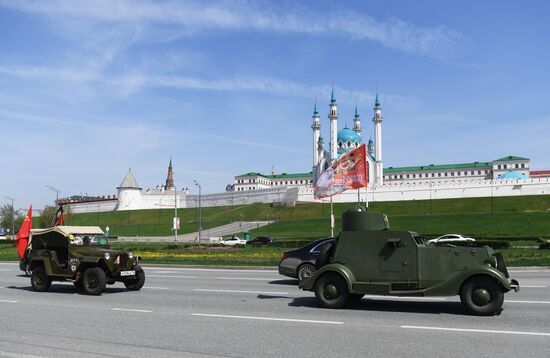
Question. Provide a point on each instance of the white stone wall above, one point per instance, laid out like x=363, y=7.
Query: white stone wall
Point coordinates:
x=91, y=207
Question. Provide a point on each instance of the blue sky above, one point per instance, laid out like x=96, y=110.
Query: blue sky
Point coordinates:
x=89, y=89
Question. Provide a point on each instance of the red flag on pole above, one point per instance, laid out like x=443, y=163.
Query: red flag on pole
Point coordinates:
x=22, y=238
x=59, y=217
x=349, y=172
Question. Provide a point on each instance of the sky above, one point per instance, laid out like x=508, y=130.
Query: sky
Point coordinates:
x=89, y=89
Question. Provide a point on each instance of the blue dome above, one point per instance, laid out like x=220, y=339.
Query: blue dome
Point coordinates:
x=347, y=140
x=346, y=134
x=513, y=175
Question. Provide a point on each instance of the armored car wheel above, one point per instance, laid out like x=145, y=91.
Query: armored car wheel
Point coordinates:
x=306, y=271
x=94, y=281
x=331, y=291
x=135, y=284
x=482, y=296
x=40, y=281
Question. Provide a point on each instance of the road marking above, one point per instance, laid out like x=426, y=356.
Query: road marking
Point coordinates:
x=167, y=276
x=5, y=269
x=266, y=318
x=270, y=271
x=8, y=301
x=390, y=298
x=243, y=278
x=523, y=286
x=238, y=291
x=156, y=288
x=17, y=355
x=476, y=330
x=131, y=310
x=515, y=301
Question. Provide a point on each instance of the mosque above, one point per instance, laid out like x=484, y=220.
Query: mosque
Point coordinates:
x=506, y=176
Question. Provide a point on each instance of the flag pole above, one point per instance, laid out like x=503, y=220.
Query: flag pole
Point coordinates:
x=331, y=219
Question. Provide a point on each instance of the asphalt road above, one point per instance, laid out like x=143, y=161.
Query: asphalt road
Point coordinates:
x=183, y=312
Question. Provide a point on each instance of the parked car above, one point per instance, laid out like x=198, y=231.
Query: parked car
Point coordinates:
x=260, y=240
x=232, y=241
x=449, y=238
x=300, y=263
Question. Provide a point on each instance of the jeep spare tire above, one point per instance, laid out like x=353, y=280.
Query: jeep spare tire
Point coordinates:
x=94, y=281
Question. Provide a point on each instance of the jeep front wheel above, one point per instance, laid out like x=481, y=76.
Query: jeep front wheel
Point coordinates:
x=331, y=291
x=94, y=281
x=136, y=283
x=40, y=281
x=482, y=296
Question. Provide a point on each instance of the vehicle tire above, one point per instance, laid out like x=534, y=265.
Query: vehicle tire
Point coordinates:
x=40, y=281
x=306, y=271
x=137, y=283
x=94, y=281
x=331, y=291
x=326, y=255
x=482, y=296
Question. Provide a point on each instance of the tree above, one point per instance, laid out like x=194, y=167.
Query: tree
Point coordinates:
x=7, y=214
x=45, y=218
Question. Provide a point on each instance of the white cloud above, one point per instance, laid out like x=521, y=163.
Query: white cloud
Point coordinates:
x=189, y=17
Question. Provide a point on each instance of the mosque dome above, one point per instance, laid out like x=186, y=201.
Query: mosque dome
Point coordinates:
x=347, y=140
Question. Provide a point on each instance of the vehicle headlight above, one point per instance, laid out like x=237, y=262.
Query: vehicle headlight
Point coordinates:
x=107, y=256
x=130, y=255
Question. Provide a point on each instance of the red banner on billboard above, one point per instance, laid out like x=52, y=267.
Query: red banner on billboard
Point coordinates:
x=351, y=171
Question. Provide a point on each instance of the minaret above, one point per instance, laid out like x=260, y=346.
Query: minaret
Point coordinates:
x=357, y=122
x=370, y=147
x=169, y=178
x=377, y=119
x=333, y=117
x=316, y=126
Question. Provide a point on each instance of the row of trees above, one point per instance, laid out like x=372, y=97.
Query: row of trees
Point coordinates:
x=7, y=214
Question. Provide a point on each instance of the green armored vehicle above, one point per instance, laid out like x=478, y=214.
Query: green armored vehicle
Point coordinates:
x=369, y=258
x=80, y=254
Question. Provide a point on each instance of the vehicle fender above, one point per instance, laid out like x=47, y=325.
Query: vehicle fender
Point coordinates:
x=452, y=286
x=309, y=283
x=93, y=260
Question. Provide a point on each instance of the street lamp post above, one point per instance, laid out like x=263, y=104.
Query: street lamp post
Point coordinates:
x=12, y=215
x=57, y=191
x=200, y=210
x=175, y=215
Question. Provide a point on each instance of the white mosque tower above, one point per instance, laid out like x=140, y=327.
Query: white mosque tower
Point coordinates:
x=377, y=119
x=333, y=117
x=129, y=193
x=356, y=122
x=316, y=126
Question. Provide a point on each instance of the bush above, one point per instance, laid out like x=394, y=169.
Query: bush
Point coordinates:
x=544, y=246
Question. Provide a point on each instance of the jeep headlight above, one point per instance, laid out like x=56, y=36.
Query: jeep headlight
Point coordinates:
x=107, y=256
x=130, y=255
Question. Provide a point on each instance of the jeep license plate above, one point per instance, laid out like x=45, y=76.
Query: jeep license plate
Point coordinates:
x=127, y=273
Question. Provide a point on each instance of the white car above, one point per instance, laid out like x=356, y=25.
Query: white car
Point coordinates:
x=449, y=238
x=235, y=240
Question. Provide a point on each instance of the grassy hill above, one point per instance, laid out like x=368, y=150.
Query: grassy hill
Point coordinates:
x=521, y=216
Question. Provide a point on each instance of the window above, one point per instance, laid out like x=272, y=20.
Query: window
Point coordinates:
x=438, y=174
x=433, y=175
x=479, y=172
x=446, y=174
x=523, y=165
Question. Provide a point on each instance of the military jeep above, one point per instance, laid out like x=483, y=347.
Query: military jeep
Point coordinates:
x=370, y=258
x=82, y=255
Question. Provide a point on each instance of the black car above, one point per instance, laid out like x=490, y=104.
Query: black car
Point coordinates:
x=300, y=263
x=260, y=240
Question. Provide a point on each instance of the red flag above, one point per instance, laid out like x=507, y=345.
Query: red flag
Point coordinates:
x=59, y=217
x=22, y=238
x=348, y=172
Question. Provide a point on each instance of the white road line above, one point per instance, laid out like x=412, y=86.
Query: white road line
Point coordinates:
x=476, y=330
x=17, y=355
x=523, y=286
x=390, y=298
x=266, y=318
x=131, y=310
x=156, y=288
x=210, y=270
x=238, y=291
x=167, y=276
x=243, y=278
x=8, y=301
x=515, y=301
x=5, y=269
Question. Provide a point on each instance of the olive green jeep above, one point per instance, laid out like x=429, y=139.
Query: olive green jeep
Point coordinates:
x=369, y=258
x=82, y=255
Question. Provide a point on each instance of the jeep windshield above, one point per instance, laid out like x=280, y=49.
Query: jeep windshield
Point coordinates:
x=88, y=240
